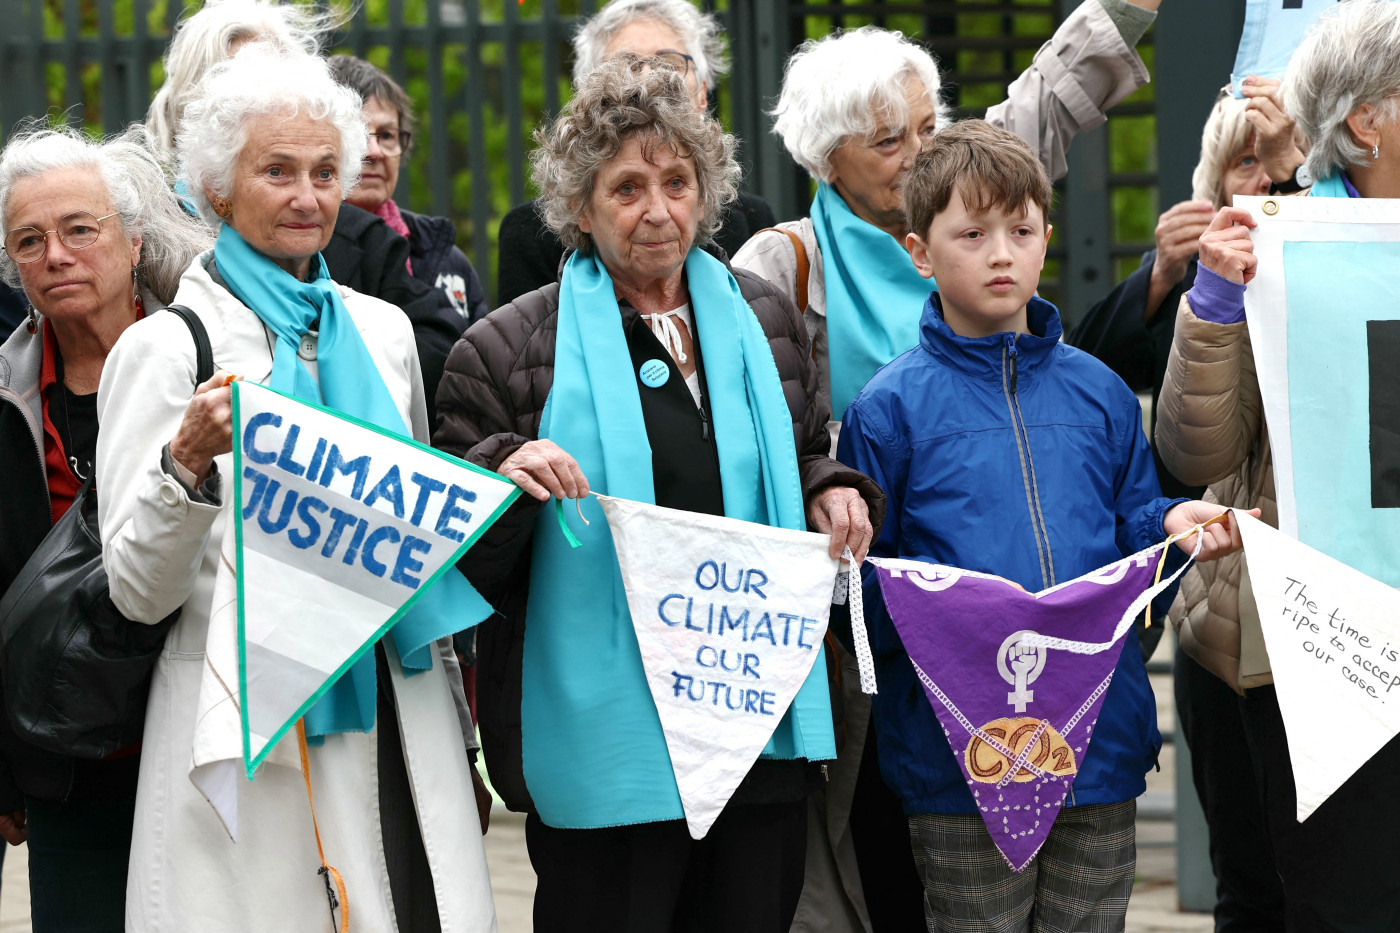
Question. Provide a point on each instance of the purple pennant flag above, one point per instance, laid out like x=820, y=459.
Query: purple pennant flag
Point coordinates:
x=1017, y=679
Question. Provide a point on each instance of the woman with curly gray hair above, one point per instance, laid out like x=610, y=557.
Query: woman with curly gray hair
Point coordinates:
x=670, y=379
x=268, y=149
x=96, y=239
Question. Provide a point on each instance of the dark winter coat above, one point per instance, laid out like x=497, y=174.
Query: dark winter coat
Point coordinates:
x=491, y=399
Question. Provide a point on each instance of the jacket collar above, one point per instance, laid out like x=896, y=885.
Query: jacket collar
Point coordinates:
x=982, y=356
x=21, y=365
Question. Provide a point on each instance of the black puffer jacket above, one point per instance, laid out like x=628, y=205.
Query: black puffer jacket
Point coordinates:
x=490, y=402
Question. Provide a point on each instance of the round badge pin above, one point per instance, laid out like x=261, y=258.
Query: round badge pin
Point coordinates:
x=654, y=373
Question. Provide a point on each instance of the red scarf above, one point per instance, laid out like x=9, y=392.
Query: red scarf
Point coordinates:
x=390, y=212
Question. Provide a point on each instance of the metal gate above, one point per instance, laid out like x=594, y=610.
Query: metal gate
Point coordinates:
x=484, y=73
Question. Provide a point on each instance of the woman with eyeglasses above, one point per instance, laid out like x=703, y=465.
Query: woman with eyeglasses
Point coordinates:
x=669, y=33
x=97, y=241
x=434, y=257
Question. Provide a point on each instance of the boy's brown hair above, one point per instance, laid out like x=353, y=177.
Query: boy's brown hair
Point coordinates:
x=989, y=167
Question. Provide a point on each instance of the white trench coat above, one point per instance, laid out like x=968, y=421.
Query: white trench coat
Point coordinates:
x=162, y=551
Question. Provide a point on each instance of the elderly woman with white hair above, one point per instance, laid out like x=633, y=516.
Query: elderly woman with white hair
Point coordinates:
x=363, y=252
x=1342, y=87
x=854, y=111
x=268, y=149
x=677, y=35
x=97, y=242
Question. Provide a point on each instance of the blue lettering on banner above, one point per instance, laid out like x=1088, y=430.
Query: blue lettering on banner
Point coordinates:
x=250, y=430
x=724, y=672
x=333, y=526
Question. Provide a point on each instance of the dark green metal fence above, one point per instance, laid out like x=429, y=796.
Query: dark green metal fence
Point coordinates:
x=484, y=73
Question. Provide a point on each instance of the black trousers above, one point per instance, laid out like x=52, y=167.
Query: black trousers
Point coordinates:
x=78, y=854
x=745, y=875
x=894, y=893
x=1340, y=867
x=1248, y=892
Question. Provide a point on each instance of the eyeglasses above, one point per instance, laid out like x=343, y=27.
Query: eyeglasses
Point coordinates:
x=392, y=143
x=78, y=230
x=665, y=58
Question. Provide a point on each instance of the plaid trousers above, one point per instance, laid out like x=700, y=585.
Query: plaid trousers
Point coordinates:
x=1079, y=882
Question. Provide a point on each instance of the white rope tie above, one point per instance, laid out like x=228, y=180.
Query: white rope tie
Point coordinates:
x=666, y=331
x=850, y=583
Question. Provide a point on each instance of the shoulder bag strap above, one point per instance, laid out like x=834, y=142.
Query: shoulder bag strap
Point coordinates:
x=803, y=267
x=203, y=351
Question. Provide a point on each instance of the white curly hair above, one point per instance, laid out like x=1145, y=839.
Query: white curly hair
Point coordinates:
x=262, y=79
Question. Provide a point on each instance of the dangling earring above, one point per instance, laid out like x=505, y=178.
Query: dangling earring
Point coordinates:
x=136, y=294
x=1375, y=152
x=33, y=323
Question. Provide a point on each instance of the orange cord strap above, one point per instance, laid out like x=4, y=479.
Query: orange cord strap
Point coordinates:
x=327, y=872
x=1161, y=564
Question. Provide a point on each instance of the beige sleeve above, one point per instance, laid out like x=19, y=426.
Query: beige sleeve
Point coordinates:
x=1209, y=411
x=1076, y=77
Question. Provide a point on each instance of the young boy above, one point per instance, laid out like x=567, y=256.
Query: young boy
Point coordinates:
x=1005, y=451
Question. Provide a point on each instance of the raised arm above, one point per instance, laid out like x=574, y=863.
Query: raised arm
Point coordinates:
x=1087, y=66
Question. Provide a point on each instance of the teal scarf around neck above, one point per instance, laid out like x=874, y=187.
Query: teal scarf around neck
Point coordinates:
x=1333, y=186
x=874, y=296
x=593, y=750
x=347, y=381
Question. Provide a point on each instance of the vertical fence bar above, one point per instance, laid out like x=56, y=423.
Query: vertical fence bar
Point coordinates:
x=74, y=109
x=398, y=68
x=475, y=90
x=512, y=101
x=113, y=106
x=439, y=135
x=138, y=76
x=551, y=48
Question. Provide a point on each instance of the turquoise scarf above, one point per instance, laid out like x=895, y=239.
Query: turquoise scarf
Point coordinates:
x=874, y=296
x=593, y=750
x=1333, y=186
x=349, y=382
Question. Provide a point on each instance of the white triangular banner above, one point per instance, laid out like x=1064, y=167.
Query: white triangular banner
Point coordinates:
x=730, y=617
x=341, y=527
x=1333, y=636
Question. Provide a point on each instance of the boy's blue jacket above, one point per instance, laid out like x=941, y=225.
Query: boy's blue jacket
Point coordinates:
x=1016, y=455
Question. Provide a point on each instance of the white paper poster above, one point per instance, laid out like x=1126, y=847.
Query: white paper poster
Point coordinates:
x=730, y=617
x=1333, y=636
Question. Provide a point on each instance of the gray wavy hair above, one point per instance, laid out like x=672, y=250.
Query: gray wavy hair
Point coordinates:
x=613, y=104
x=701, y=33
x=206, y=38
x=136, y=184
x=1349, y=58
x=262, y=79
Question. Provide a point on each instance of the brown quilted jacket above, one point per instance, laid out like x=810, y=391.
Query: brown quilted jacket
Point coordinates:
x=490, y=402
x=1210, y=431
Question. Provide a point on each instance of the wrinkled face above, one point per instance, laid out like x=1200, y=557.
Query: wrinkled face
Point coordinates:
x=867, y=173
x=643, y=212
x=71, y=283
x=381, y=171
x=645, y=38
x=286, y=188
x=987, y=265
x=1244, y=175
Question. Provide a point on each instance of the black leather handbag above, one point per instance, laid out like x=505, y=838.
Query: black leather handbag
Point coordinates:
x=75, y=671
